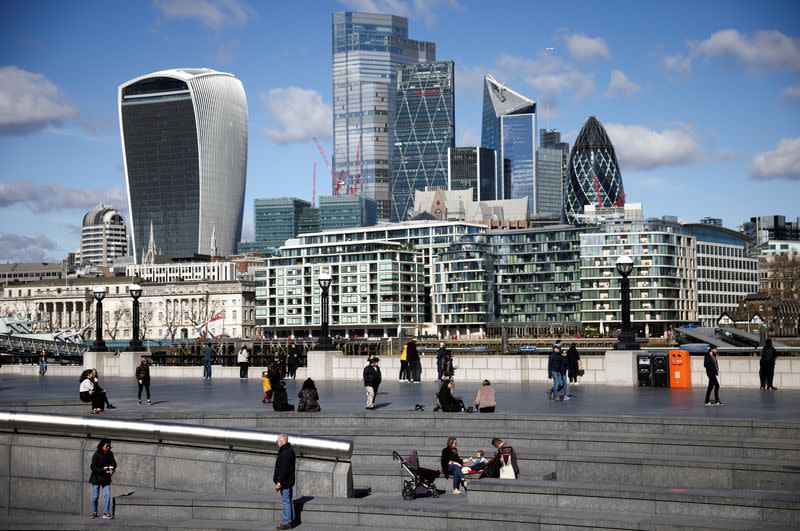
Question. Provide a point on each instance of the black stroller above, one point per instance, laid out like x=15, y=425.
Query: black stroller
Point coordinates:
x=422, y=479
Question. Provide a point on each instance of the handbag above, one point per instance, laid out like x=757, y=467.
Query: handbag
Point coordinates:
x=506, y=470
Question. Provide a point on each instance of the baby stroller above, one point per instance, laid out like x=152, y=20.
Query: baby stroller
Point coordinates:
x=422, y=479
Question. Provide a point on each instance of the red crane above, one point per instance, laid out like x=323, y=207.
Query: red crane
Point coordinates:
x=336, y=182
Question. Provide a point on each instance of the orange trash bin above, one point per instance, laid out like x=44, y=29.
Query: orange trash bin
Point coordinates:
x=680, y=369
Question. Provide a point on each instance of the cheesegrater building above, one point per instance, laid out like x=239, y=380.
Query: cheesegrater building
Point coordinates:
x=184, y=146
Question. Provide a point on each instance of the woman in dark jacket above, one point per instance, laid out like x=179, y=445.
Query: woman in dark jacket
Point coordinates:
x=572, y=363
x=448, y=402
x=280, y=398
x=143, y=379
x=712, y=371
x=87, y=394
x=309, y=398
x=452, y=463
x=102, y=467
x=767, y=369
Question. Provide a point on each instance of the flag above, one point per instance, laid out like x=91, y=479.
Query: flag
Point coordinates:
x=213, y=326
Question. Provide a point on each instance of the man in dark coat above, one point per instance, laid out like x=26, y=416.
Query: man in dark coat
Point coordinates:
x=412, y=356
x=554, y=363
x=441, y=355
x=712, y=371
x=767, y=366
x=283, y=477
x=372, y=380
x=293, y=362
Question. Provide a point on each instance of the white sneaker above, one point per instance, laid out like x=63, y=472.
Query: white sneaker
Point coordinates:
x=456, y=491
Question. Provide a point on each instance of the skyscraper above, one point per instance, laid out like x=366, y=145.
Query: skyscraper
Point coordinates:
x=471, y=167
x=277, y=219
x=552, y=159
x=509, y=127
x=594, y=176
x=103, y=237
x=367, y=49
x=424, y=129
x=184, y=145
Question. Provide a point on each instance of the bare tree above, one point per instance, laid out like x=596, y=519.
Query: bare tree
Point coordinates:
x=113, y=319
x=783, y=276
x=145, y=315
x=171, y=318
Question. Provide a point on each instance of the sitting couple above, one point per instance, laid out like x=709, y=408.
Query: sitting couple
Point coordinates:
x=453, y=465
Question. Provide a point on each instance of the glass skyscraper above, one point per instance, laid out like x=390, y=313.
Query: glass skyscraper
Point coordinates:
x=594, y=176
x=367, y=49
x=552, y=160
x=471, y=167
x=277, y=219
x=184, y=145
x=509, y=127
x=424, y=130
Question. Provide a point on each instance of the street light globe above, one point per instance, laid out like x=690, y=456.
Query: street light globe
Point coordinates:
x=135, y=290
x=624, y=265
x=99, y=293
x=325, y=281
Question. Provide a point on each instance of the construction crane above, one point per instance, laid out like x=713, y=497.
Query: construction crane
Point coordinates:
x=336, y=182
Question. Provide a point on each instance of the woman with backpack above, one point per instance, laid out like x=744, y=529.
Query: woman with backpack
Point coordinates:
x=309, y=398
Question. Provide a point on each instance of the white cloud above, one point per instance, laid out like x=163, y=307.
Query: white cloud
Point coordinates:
x=551, y=76
x=584, y=48
x=215, y=14
x=620, y=85
x=792, y=94
x=780, y=163
x=469, y=80
x=640, y=148
x=298, y=114
x=17, y=248
x=29, y=102
x=50, y=197
x=423, y=10
x=469, y=138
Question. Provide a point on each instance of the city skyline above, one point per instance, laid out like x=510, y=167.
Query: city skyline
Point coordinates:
x=701, y=102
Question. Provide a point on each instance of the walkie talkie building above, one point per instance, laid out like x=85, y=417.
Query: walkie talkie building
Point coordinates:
x=184, y=145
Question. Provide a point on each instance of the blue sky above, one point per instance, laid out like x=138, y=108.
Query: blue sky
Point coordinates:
x=701, y=99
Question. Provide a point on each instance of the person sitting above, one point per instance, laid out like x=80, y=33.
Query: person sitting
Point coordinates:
x=280, y=398
x=452, y=463
x=98, y=390
x=504, y=453
x=475, y=464
x=87, y=393
x=448, y=402
x=308, y=397
x=485, y=400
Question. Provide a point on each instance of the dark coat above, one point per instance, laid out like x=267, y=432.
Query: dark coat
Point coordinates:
x=411, y=351
x=372, y=377
x=553, y=363
x=294, y=356
x=143, y=373
x=572, y=358
x=284, y=466
x=280, y=400
x=449, y=403
x=309, y=400
x=710, y=363
x=768, y=354
x=101, y=460
x=441, y=355
x=449, y=455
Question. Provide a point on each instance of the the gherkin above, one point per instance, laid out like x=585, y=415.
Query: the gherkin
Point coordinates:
x=594, y=176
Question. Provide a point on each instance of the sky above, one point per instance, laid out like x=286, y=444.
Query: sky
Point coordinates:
x=701, y=99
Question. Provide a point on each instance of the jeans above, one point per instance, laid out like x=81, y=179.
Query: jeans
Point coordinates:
x=558, y=381
x=207, y=370
x=713, y=385
x=455, y=470
x=287, y=505
x=106, y=498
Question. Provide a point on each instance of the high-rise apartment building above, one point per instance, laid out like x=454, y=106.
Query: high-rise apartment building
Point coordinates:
x=594, y=175
x=509, y=127
x=103, y=237
x=471, y=167
x=184, y=145
x=367, y=49
x=424, y=131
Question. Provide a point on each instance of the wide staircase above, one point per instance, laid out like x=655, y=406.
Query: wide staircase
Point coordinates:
x=576, y=473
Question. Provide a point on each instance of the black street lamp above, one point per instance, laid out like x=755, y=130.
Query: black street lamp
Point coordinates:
x=136, y=344
x=627, y=337
x=325, y=342
x=99, y=294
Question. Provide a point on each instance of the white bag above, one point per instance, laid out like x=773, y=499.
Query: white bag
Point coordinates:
x=506, y=470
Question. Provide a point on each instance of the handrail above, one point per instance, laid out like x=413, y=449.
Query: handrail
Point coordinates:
x=164, y=431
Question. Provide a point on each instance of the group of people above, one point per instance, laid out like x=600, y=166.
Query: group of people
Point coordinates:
x=485, y=399
x=562, y=368
x=456, y=467
x=410, y=367
x=90, y=390
x=287, y=364
x=275, y=392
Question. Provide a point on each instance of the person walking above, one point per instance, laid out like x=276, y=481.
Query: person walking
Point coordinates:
x=42, y=363
x=143, y=379
x=573, y=364
x=441, y=356
x=102, y=467
x=208, y=353
x=283, y=477
x=412, y=355
x=452, y=463
x=554, y=373
x=564, y=366
x=293, y=360
x=243, y=359
x=309, y=397
x=404, y=372
x=712, y=371
x=485, y=400
x=767, y=365
x=372, y=380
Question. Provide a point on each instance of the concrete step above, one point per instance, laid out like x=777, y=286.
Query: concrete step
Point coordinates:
x=447, y=512
x=770, y=506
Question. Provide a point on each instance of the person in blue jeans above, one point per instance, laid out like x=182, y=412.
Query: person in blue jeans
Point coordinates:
x=208, y=352
x=103, y=467
x=452, y=463
x=556, y=369
x=283, y=477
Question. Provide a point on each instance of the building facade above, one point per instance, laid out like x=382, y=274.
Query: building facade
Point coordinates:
x=344, y=212
x=726, y=273
x=104, y=237
x=424, y=131
x=594, y=174
x=25, y=272
x=184, y=145
x=475, y=168
x=550, y=190
x=217, y=271
x=367, y=49
x=277, y=219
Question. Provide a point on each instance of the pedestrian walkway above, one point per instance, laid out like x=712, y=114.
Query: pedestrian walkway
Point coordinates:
x=177, y=395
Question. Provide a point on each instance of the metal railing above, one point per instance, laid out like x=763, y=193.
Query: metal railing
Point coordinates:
x=159, y=432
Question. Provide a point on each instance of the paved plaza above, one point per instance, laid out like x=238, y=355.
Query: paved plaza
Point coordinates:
x=184, y=395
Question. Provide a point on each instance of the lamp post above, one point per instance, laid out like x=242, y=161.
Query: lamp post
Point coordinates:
x=99, y=294
x=136, y=344
x=627, y=337
x=325, y=342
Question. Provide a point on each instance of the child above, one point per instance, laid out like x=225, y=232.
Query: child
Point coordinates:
x=478, y=462
x=265, y=383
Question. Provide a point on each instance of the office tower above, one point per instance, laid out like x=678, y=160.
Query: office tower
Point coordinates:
x=342, y=212
x=594, y=176
x=551, y=139
x=277, y=219
x=424, y=129
x=184, y=144
x=103, y=237
x=367, y=49
x=509, y=127
x=472, y=167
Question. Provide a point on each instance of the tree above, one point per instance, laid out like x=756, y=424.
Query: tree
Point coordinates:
x=783, y=276
x=171, y=318
x=113, y=319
